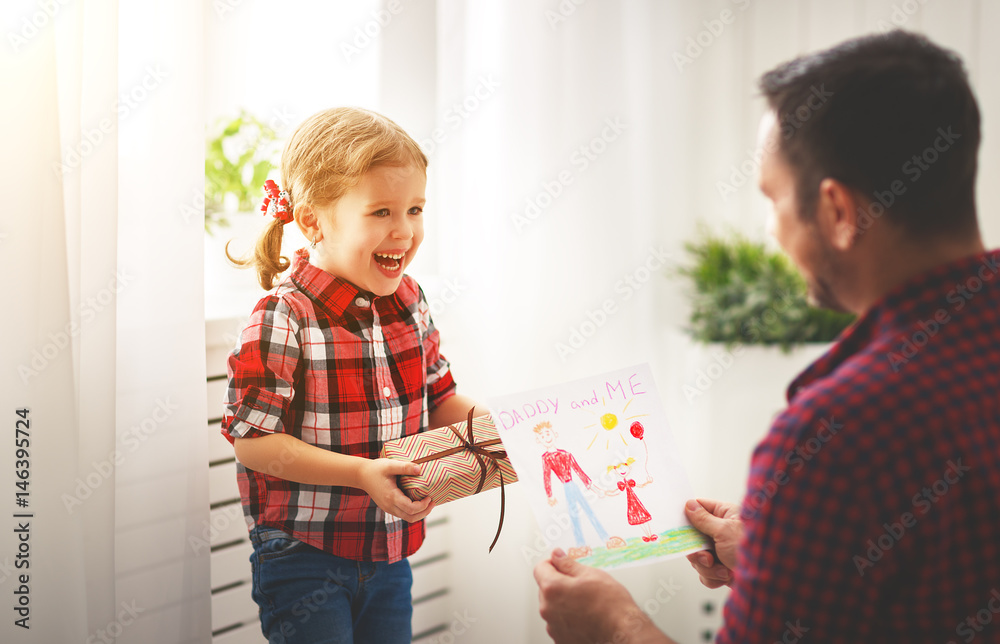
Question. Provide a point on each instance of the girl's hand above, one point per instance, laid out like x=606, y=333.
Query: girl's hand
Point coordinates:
x=378, y=479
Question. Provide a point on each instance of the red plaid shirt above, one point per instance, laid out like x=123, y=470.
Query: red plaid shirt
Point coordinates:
x=343, y=370
x=873, y=507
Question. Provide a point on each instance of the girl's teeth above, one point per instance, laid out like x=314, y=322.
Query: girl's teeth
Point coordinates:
x=396, y=261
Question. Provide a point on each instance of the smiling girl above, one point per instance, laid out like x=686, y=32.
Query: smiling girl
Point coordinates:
x=340, y=357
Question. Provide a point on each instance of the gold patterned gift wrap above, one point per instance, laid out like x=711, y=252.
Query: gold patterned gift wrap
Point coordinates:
x=456, y=461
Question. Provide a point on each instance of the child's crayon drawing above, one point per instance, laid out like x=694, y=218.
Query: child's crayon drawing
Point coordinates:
x=599, y=464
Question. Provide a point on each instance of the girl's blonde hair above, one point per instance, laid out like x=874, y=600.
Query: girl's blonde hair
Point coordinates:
x=614, y=467
x=327, y=156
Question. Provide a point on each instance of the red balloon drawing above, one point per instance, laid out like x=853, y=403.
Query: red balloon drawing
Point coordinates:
x=637, y=429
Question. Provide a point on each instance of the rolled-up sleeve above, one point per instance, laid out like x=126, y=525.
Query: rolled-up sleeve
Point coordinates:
x=262, y=373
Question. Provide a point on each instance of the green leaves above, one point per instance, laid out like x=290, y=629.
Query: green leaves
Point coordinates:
x=237, y=162
x=744, y=293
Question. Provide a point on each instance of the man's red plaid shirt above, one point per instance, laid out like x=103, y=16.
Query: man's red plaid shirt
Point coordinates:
x=873, y=508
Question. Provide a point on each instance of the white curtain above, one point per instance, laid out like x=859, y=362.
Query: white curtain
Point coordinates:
x=104, y=328
x=554, y=206
x=552, y=186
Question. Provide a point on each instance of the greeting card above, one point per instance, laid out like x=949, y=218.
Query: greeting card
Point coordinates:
x=601, y=469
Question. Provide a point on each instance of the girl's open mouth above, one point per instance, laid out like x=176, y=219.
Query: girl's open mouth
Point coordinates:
x=389, y=262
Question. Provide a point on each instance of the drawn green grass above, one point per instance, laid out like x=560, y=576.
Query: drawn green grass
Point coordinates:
x=635, y=550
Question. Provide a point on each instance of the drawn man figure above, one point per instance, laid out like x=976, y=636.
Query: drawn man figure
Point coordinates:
x=563, y=464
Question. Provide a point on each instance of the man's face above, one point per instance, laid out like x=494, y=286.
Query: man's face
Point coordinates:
x=797, y=235
x=546, y=436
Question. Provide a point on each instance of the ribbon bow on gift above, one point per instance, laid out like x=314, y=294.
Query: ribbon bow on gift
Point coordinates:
x=480, y=452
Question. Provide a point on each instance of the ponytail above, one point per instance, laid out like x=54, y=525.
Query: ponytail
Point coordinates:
x=266, y=257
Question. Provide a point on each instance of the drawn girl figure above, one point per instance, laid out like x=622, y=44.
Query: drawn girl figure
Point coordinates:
x=637, y=512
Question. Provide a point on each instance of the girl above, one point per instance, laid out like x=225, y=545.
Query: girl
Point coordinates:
x=636, y=511
x=341, y=357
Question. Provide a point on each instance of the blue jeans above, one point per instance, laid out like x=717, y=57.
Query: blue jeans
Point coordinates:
x=309, y=596
x=575, y=502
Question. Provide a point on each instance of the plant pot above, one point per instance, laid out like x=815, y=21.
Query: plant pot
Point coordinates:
x=733, y=395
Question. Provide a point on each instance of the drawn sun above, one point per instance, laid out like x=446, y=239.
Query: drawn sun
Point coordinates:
x=609, y=422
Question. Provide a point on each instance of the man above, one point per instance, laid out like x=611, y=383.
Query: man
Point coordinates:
x=872, y=511
x=562, y=464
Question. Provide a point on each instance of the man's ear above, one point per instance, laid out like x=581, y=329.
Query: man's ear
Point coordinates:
x=838, y=215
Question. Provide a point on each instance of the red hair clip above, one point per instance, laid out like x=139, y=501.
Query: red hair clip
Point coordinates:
x=276, y=202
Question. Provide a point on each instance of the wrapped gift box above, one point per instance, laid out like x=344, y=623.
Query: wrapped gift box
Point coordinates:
x=454, y=461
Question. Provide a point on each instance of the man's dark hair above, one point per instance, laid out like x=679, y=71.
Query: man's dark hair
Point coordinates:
x=869, y=113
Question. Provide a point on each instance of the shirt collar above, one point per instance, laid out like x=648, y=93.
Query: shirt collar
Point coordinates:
x=920, y=297
x=335, y=294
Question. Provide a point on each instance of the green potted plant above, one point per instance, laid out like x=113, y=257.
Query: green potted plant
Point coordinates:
x=754, y=331
x=241, y=152
x=742, y=292
x=238, y=158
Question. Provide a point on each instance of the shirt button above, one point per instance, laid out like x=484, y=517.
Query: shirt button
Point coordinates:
x=386, y=391
x=361, y=301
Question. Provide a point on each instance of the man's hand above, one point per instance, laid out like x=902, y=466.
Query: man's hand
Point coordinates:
x=720, y=521
x=552, y=500
x=378, y=479
x=584, y=604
